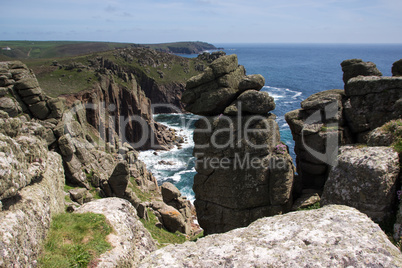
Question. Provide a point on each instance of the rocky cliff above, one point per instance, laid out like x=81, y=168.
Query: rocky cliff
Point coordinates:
x=182, y=47
x=160, y=76
x=243, y=171
x=48, y=143
x=343, y=138
x=31, y=190
x=337, y=117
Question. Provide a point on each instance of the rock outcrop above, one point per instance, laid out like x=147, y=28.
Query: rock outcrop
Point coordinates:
x=94, y=159
x=160, y=76
x=333, y=236
x=359, y=176
x=124, y=112
x=26, y=95
x=243, y=171
x=317, y=129
x=366, y=179
x=218, y=86
x=32, y=180
x=355, y=67
x=333, y=118
x=397, y=68
x=372, y=101
x=131, y=242
x=172, y=197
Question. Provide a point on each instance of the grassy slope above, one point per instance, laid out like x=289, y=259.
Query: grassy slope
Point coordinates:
x=182, y=47
x=51, y=49
x=75, y=240
x=56, y=81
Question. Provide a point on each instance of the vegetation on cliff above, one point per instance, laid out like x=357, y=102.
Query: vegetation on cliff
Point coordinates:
x=75, y=240
x=51, y=49
x=161, y=76
x=394, y=128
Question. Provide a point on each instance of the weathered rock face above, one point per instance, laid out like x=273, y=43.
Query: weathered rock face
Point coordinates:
x=371, y=102
x=131, y=242
x=333, y=118
x=23, y=155
x=366, y=179
x=17, y=80
x=170, y=217
x=243, y=171
x=397, y=68
x=318, y=128
x=211, y=92
x=172, y=197
x=125, y=112
x=210, y=57
x=26, y=212
x=333, y=236
x=119, y=179
x=165, y=89
x=355, y=67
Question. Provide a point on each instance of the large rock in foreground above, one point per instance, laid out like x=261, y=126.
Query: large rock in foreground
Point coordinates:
x=130, y=240
x=365, y=178
x=25, y=218
x=333, y=236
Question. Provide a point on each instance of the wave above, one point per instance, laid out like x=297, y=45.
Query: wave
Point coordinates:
x=282, y=93
x=177, y=164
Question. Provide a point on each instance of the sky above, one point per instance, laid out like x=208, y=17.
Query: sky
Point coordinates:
x=213, y=21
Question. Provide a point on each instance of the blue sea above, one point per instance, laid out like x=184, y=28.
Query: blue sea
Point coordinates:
x=292, y=73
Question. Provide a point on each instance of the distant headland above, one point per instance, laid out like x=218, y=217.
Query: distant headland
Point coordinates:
x=51, y=49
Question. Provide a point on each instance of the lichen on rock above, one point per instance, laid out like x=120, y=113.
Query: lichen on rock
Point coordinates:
x=240, y=178
x=333, y=236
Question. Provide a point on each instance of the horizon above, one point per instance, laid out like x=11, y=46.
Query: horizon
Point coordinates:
x=157, y=21
x=212, y=43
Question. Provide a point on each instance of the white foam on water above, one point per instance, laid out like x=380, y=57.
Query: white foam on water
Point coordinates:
x=173, y=165
x=178, y=175
x=281, y=93
x=188, y=192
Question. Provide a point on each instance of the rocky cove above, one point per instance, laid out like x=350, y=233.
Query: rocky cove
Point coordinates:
x=48, y=141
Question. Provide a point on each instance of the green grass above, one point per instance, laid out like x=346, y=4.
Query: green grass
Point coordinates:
x=311, y=207
x=93, y=190
x=163, y=236
x=57, y=81
x=60, y=81
x=143, y=196
x=75, y=240
x=394, y=127
x=56, y=49
x=330, y=128
x=198, y=236
x=52, y=49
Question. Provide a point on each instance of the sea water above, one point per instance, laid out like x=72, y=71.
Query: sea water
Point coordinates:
x=292, y=73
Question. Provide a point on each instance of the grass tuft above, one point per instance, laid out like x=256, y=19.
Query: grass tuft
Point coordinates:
x=311, y=207
x=75, y=240
x=394, y=127
x=161, y=235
